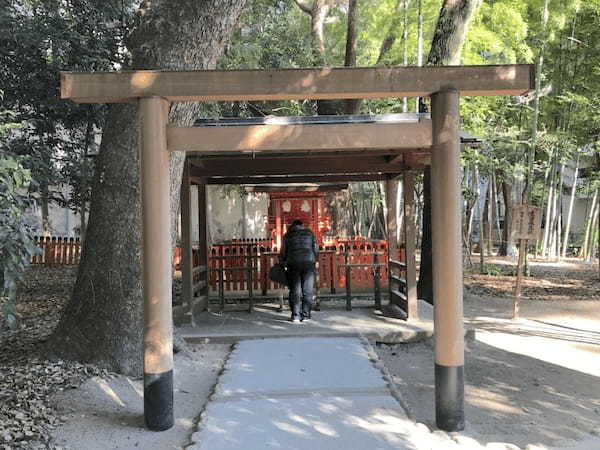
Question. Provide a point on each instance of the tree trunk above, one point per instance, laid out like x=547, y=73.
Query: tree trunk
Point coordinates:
x=555, y=220
x=490, y=216
x=570, y=213
x=103, y=321
x=508, y=247
x=405, y=46
x=536, y=109
x=446, y=47
x=419, y=46
x=82, y=224
x=46, y=225
x=549, y=203
x=391, y=36
x=352, y=105
x=588, y=226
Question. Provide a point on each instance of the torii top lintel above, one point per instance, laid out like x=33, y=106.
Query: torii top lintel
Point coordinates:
x=296, y=84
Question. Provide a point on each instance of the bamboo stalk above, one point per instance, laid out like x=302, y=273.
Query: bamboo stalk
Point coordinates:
x=570, y=213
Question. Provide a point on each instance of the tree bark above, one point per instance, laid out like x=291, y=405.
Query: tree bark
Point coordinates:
x=588, y=226
x=46, y=225
x=448, y=39
x=508, y=247
x=391, y=36
x=570, y=213
x=352, y=105
x=318, y=11
x=102, y=323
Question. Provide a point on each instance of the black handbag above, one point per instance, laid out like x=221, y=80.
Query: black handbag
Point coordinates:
x=278, y=273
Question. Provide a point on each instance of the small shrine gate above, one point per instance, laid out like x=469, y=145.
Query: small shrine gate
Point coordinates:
x=342, y=152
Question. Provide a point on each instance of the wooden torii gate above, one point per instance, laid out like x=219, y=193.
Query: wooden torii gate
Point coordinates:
x=412, y=144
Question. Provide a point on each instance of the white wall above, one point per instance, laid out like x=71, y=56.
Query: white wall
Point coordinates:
x=63, y=221
x=225, y=214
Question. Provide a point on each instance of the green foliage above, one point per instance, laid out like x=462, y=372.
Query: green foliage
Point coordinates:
x=38, y=40
x=16, y=242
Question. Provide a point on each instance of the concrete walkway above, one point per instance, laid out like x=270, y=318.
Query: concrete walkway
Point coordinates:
x=308, y=393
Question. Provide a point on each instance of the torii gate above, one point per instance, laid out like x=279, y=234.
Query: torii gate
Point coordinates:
x=438, y=137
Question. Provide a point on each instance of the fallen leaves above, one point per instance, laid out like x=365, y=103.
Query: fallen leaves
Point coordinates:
x=27, y=380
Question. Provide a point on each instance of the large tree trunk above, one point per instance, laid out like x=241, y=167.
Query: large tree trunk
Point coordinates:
x=448, y=39
x=103, y=321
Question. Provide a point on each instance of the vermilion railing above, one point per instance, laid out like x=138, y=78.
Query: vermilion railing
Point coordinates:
x=227, y=257
x=57, y=250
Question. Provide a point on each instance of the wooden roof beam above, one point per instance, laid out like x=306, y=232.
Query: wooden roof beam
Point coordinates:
x=293, y=166
x=298, y=179
x=296, y=84
x=316, y=137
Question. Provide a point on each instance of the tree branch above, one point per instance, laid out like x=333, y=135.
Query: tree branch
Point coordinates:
x=304, y=7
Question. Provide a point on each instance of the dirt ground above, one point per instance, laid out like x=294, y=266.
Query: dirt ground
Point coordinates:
x=533, y=382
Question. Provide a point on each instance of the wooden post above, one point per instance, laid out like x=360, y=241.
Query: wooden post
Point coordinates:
x=222, y=283
x=249, y=280
x=156, y=264
x=348, y=281
x=264, y=274
x=409, y=246
x=187, y=258
x=447, y=261
x=201, y=304
x=391, y=191
x=517, y=297
x=377, y=281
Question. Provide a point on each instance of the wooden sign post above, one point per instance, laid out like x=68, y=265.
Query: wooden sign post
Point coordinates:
x=526, y=225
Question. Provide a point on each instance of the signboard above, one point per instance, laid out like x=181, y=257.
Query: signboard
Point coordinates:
x=526, y=222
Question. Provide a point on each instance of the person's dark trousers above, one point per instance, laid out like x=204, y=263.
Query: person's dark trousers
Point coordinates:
x=302, y=286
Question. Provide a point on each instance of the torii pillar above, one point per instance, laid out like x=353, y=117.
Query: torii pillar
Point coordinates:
x=156, y=267
x=447, y=262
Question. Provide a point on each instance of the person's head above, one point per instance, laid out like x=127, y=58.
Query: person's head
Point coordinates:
x=296, y=224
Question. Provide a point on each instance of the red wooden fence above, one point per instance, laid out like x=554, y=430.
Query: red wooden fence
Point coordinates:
x=227, y=257
x=57, y=250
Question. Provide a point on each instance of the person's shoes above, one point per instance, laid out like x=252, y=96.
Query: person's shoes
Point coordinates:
x=295, y=319
x=305, y=319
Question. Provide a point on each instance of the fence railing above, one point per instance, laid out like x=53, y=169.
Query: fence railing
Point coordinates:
x=57, y=250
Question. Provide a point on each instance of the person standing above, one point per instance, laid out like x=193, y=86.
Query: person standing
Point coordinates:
x=299, y=254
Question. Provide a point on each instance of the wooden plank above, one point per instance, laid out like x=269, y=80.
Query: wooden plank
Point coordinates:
x=409, y=245
x=187, y=261
x=286, y=138
x=296, y=84
x=397, y=264
x=297, y=188
x=397, y=279
x=294, y=166
x=398, y=298
x=298, y=179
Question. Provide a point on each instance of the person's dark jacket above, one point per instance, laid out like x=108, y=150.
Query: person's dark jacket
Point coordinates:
x=299, y=246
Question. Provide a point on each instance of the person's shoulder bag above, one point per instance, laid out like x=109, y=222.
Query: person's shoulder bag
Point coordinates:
x=278, y=273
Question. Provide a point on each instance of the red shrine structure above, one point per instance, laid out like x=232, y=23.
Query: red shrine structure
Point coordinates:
x=309, y=207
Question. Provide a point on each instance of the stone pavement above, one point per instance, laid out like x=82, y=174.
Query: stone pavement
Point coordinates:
x=268, y=322
x=310, y=393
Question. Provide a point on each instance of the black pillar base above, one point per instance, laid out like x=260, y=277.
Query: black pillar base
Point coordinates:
x=158, y=400
x=449, y=398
